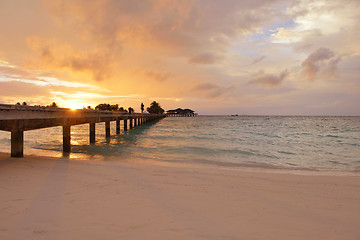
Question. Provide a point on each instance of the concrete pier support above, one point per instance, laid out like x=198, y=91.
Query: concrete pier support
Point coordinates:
x=92, y=133
x=107, y=129
x=131, y=123
x=125, y=124
x=66, y=139
x=135, y=122
x=17, y=144
x=117, y=126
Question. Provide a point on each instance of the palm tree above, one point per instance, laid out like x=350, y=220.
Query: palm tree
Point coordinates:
x=155, y=108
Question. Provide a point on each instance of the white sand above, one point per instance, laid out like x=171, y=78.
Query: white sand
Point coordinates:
x=44, y=198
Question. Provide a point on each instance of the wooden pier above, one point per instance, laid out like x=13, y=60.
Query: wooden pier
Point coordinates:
x=17, y=119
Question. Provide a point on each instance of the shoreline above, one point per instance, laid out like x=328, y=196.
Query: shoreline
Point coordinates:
x=265, y=168
x=60, y=198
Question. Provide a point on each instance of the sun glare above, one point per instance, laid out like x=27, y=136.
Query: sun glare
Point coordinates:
x=73, y=105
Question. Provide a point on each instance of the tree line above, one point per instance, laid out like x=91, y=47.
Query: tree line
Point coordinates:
x=153, y=108
x=53, y=104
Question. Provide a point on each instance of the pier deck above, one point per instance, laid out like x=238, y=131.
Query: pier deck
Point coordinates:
x=17, y=119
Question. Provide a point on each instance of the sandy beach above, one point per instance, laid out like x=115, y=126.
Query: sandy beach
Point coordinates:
x=49, y=198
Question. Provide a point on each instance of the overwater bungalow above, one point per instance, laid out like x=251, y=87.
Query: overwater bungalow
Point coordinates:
x=179, y=112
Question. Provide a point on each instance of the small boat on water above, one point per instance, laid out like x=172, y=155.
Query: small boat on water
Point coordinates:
x=234, y=115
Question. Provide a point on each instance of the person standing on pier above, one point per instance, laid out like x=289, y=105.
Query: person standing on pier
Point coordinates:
x=142, y=107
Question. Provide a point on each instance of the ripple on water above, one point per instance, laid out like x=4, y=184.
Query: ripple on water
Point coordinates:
x=298, y=142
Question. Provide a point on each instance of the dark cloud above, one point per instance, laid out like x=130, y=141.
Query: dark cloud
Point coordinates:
x=269, y=80
x=321, y=59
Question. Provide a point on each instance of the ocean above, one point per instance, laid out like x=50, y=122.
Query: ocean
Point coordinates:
x=272, y=142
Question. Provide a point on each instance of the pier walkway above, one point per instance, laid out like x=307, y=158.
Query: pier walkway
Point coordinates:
x=17, y=119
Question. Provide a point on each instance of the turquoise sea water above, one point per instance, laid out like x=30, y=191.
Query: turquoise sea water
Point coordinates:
x=314, y=143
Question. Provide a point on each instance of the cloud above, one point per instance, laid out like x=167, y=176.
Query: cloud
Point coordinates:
x=327, y=17
x=178, y=27
x=315, y=19
x=55, y=55
x=332, y=66
x=107, y=40
x=22, y=89
x=269, y=80
x=205, y=58
x=322, y=58
x=17, y=74
x=211, y=90
x=13, y=73
x=257, y=60
x=158, y=76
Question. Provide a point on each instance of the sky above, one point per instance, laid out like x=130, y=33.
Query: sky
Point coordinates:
x=252, y=57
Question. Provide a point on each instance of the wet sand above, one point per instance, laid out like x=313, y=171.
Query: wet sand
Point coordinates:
x=58, y=198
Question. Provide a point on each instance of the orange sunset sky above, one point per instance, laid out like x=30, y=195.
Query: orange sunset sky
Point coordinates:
x=213, y=56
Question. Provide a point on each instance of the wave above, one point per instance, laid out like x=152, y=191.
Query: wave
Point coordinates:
x=332, y=136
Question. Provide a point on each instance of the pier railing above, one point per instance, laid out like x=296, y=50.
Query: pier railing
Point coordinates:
x=17, y=119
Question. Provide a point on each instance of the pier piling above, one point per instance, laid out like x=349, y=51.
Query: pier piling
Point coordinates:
x=17, y=144
x=66, y=139
x=125, y=124
x=117, y=126
x=107, y=129
x=131, y=123
x=92, y=133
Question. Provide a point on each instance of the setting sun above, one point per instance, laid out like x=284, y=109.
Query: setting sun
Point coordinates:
x=73, y=105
